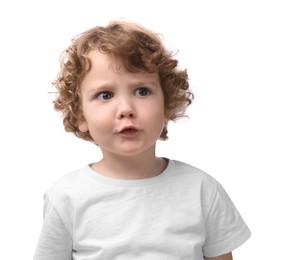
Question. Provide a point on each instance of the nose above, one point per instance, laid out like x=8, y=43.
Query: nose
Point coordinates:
x=126, y=109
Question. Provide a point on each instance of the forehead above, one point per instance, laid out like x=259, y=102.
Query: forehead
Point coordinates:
x=108, y=68
x=99, y=60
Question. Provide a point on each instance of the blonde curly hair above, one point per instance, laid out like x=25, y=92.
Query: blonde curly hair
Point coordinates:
x=139, y=50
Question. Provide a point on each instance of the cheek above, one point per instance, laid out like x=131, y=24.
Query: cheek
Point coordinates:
x=99, y=124
x=156, y=117
x=156, y=110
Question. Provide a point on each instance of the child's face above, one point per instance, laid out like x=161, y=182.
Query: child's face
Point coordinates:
x=123, y=111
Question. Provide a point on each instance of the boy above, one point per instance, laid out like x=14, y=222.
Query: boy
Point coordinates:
x=118, y=87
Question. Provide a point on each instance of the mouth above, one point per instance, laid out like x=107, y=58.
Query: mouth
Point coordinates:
x=129, y=131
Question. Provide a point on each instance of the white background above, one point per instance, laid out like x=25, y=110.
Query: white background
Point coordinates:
x=231, y=50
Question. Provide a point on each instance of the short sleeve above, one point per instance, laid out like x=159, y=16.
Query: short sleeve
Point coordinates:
x=55, y=242
x=225, y=228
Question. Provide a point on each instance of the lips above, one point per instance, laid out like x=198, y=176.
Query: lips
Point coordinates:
x=129, y=131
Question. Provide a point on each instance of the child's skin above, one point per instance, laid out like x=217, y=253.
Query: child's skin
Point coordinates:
x=125, y=114
x=118, y=87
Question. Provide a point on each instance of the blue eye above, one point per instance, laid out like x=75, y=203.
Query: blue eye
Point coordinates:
x=142, y=92
x=105, y=95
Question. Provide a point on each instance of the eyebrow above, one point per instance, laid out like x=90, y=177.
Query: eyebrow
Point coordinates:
x=142, y=82
x=109, y=86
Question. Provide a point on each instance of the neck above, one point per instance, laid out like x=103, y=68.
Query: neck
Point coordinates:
x=130, y=168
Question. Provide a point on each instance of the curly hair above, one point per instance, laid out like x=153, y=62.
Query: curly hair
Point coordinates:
x=139, y=50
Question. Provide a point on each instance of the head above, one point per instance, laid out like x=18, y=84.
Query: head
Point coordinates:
x=139, y=50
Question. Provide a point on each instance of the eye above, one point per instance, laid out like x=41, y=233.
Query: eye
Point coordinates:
x=142, y=92
x=106, y=95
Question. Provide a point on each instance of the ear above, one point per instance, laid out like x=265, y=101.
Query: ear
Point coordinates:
x=166, y=119
x=83, y=126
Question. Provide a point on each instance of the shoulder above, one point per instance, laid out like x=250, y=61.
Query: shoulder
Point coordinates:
x=192, y=173
x=197, y=182
x=68, y=185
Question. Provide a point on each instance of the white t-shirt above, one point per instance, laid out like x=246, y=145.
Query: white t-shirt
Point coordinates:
x=181, y=214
